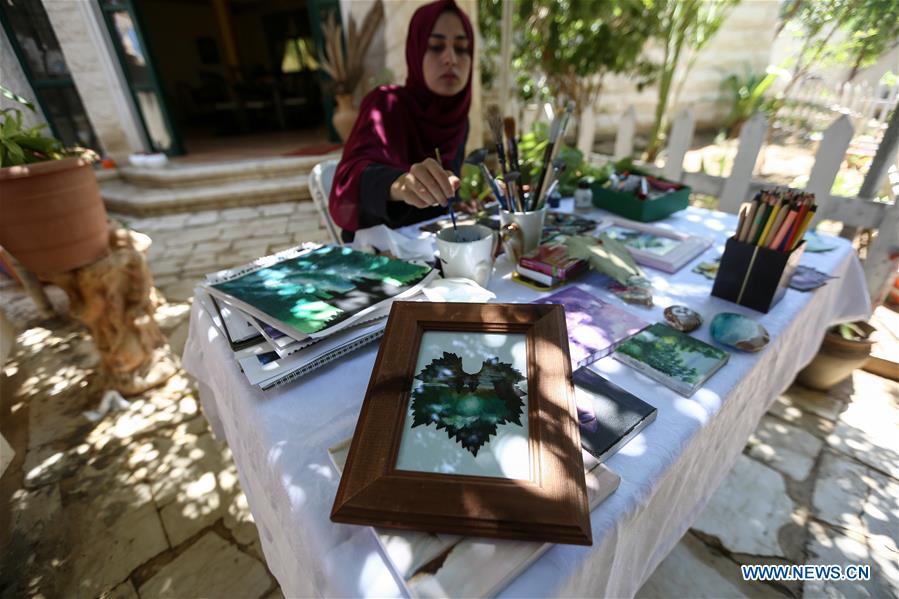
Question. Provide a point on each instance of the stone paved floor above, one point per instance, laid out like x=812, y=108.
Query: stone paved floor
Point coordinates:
x=146, y=503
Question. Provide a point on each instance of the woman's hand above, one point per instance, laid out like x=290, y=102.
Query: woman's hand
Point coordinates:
x=426, y=184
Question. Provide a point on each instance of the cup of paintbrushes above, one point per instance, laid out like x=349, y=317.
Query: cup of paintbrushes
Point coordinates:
x=529, y=222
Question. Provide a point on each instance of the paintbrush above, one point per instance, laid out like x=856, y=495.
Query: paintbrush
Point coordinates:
x=509, y=129
x=514, y=164
x=559, y=167
x=565, y=119
x=547, y=157
x=477, y=158
x=495, y=122
x=512, y=178
x=449, y=201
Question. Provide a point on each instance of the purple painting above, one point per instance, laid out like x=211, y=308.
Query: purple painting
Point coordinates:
x=595, y=327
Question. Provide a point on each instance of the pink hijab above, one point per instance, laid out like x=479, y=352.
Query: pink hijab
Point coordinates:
x=401, y=125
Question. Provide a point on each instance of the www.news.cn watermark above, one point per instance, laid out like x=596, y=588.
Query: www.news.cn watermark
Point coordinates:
x=806, y=572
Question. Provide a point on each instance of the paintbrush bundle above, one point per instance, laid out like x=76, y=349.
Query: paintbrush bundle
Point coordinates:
x=520, y=196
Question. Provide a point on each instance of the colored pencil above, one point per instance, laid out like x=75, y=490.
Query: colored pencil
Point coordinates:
x=778, y=221
x=760, y=218
x=772, y=218
x=744, y=209
x=806, y=206
x=784, y=228
x=803, y=228
x=750, y=216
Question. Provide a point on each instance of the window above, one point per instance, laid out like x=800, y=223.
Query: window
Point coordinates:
x=32, y=38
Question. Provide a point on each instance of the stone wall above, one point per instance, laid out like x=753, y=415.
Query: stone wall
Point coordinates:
x=186, y=246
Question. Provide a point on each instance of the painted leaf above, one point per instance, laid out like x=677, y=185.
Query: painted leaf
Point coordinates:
x=469, y=407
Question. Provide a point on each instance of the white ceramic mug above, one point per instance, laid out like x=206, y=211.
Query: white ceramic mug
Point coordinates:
x=467, y=252
x=531, y=224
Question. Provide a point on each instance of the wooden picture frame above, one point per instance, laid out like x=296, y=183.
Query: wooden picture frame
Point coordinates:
x=550, y=504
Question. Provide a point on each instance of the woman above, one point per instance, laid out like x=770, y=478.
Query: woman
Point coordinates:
x=389, y=173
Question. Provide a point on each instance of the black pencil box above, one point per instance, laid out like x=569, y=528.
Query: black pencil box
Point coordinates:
x=753, y=276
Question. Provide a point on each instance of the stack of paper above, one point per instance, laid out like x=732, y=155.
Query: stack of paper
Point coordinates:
x=290, y=313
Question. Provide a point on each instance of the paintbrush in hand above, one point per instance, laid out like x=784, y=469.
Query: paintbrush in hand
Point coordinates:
x=449, y=201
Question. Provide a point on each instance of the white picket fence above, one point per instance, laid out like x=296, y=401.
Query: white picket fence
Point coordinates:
x=739, y=186
x=816, y=103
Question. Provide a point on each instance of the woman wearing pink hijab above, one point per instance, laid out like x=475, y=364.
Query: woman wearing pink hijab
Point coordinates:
x=389, y=173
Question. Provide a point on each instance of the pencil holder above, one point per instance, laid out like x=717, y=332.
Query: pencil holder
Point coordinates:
x=753, y=276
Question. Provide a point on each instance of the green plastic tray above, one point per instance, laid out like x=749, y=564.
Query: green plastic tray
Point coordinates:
x=628, y=205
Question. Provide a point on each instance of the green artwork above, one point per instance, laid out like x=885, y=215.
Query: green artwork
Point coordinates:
x=324, y=286
x=673, y=353
x=468, y=406
x=638, y=240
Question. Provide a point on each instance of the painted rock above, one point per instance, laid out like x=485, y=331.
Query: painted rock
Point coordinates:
x=682, y=318
x=739, y=332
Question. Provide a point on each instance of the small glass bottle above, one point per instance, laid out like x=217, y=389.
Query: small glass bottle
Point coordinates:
x=583, y=196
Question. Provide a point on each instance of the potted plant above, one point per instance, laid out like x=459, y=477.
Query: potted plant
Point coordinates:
x=54, y=219
x=343, y=63
x=845, y=347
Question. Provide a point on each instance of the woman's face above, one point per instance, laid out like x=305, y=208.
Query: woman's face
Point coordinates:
x=447, y=62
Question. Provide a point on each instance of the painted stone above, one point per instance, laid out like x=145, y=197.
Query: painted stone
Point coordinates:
x=739, y=332
x=682, y=318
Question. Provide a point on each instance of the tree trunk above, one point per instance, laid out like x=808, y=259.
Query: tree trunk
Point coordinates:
x=586, y=131
x=113, y=297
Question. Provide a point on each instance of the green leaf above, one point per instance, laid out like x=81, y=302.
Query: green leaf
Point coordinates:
x=16, y=155
x=16, y=98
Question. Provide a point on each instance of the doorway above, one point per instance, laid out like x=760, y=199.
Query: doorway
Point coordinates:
x=236, y=73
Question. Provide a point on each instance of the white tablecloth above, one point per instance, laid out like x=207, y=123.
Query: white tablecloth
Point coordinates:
x=280, y=438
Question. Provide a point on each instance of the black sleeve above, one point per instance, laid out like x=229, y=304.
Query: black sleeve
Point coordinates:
x=375, y=207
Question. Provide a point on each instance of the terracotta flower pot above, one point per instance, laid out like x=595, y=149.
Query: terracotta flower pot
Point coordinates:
x=53, y=219
x=345, y=116
x=836, y=359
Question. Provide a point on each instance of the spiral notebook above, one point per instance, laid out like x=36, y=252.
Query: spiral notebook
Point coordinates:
x=314, y=291
x=267, y=369
x=262, y=365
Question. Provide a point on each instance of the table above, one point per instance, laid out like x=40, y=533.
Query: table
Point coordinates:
x=280, y=438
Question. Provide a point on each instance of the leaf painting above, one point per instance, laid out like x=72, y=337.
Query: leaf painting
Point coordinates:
x=638, y=240
x=469, y=407
x=322, y=287
x=675, y=354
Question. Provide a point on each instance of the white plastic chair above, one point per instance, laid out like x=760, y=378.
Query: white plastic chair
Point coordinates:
x=320, y=180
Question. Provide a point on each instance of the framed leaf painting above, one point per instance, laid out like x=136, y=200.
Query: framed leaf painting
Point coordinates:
x=469, y=427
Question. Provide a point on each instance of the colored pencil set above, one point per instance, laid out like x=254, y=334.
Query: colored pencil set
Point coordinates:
x=776, y=219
